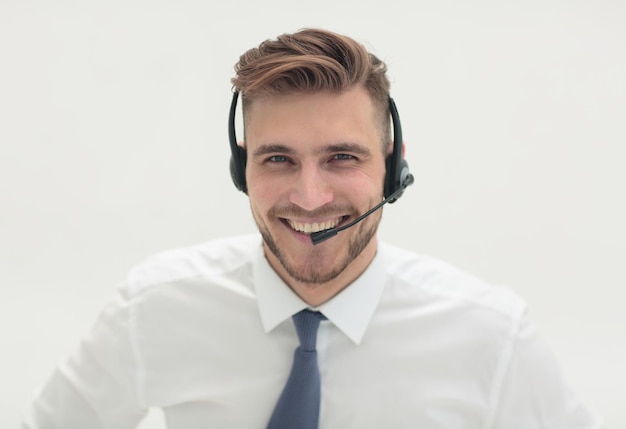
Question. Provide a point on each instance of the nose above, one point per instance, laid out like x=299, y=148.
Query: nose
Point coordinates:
x=311, y=189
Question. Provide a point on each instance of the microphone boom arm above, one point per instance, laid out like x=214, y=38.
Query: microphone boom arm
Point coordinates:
x=319, y=236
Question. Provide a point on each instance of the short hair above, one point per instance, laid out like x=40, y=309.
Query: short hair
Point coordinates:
x=312, y=60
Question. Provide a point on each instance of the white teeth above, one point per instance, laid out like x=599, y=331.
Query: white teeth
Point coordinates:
x=308, y=228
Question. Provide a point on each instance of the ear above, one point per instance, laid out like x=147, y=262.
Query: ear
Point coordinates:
x=403, y=149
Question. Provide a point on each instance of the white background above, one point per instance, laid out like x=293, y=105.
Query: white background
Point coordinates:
x=113, y=146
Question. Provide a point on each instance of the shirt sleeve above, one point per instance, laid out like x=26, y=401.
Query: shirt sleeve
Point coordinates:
x=534, y=393
x=97, y=387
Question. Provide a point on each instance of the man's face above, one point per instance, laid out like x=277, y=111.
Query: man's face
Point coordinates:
x=315, y=161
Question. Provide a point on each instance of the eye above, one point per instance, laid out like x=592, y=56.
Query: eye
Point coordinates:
x=343, y=157
x=277, y=158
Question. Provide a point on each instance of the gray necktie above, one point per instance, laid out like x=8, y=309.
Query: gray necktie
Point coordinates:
x=299, y=404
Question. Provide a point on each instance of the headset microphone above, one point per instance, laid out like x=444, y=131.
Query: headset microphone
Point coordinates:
x=318, y=237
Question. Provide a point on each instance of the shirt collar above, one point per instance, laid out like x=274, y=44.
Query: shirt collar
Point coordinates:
x=350, y=311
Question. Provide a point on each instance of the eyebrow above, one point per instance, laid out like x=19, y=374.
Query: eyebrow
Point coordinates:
x=347, y=147
x=333, y=148
x=273, y=148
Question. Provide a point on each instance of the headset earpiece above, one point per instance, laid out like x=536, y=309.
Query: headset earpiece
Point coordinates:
x=238, y=153
x=397, y=169
x=238, y=169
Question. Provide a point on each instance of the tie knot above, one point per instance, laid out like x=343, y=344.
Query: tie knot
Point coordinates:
x=306, y=323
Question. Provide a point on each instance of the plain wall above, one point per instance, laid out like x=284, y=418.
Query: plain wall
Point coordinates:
x=113, y=146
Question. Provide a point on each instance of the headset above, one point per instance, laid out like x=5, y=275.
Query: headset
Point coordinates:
x=397, y=176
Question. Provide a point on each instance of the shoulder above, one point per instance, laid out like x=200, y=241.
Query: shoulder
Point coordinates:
x=212, y=259
x=429, y=279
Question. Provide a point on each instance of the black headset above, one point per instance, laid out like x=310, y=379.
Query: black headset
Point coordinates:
x=397, y=169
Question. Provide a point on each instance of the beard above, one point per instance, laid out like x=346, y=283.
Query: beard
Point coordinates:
x=318, y=269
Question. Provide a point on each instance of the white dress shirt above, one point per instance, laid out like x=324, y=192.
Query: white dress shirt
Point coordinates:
x=205, y=334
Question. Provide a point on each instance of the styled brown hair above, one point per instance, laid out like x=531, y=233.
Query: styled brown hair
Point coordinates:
x=312, y=60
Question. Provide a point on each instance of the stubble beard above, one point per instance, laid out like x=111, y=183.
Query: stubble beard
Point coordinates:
x=313, y=273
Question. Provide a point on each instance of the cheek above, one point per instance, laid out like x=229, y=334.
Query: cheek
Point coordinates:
x=262, y=193
x=369, y=185
x=255, y=183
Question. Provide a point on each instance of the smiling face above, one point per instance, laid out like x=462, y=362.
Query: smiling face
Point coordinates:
x=315, y=161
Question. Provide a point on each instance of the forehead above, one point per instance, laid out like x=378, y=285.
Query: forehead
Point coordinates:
x=346, y=117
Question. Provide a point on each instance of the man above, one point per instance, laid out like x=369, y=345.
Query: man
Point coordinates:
x=386, y=339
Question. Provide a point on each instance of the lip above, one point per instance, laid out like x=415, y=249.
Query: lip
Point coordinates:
x=309, y=226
